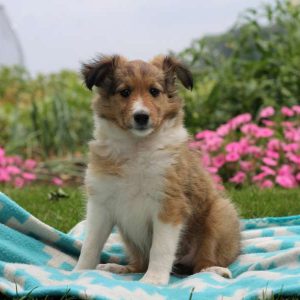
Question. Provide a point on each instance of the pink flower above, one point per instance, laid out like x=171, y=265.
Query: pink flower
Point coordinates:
x=19, y=182
x=268, y=123
x=57, y=181
x=274, y=144
x=259, y=177
x=205, y=134
x=293, y=158
x=292, y=134
x=263, y=132
x=218, y=161
x=4, y=175
x=298, y=177
x=266, y=184
x=249, y=129
x=238, y=178
x=223, y=130
x=296, y=109
x=246, y=165
x=214, y=143
x=285, y=170
x=13, y=170
x=233, y=147
x=267, y=170
x=269, y=161
x=212, y=170
x=287, y=182
x=239, y=120
x=293, y=147
x=267, y=112
x=272, y=154
x=287, y=112
x=232, y=157
x=287, y=124
x=2, y=152
x=29, y=176
x=30, y=164
x=254, y=150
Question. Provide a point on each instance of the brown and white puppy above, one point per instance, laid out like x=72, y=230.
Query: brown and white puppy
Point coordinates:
x=143, y=178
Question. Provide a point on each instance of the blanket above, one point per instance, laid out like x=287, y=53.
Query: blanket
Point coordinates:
x=37, y=260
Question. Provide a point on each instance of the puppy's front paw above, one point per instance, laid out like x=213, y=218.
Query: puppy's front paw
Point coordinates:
x=155, y=278
x=113, y=268
x=224, y=272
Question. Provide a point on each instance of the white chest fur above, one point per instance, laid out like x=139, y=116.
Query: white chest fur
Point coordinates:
x=134, y=198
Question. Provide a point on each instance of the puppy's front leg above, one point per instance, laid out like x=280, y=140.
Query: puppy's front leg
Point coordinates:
x=162, y=253
x=98, y=226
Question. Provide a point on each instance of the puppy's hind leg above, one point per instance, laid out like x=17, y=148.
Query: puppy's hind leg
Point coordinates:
x=98, y=226
x=206, y=259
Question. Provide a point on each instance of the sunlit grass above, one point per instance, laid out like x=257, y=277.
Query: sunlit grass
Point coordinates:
x=64, y=213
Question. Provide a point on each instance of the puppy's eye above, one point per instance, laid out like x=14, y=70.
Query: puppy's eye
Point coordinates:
x=125, y=93
x=154, y=92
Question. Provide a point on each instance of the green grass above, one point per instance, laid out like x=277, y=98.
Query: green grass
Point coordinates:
x=276, y=202
x=64, y=213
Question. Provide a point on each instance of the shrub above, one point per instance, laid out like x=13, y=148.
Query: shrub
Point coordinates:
x=45, y=116
x=265, y=151
x=255, y=64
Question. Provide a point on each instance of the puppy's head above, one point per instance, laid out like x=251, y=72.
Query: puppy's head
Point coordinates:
x=136, y=95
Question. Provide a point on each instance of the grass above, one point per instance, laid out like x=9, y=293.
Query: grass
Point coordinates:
x=64, y=213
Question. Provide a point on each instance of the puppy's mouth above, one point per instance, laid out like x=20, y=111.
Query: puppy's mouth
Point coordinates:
x=141, y=131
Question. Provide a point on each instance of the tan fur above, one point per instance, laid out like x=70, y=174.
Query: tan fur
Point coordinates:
x=99, y=163
x=211, y=235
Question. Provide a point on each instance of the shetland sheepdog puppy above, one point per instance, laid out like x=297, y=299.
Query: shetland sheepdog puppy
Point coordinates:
x=143, y=178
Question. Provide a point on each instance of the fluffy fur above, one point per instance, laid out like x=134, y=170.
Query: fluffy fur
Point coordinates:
x=143, y=178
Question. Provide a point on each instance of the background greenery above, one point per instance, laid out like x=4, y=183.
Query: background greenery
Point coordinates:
x=254, y=64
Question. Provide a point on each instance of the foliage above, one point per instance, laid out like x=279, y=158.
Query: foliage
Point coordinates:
x=265, y=152
x=45, y=116
x=255, y=64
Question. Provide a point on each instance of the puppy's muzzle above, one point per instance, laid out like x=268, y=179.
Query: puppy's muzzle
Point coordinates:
x=141, y=119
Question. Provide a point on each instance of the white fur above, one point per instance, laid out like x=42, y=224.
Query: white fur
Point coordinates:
x=224, y=272
x=162, y=254
x=139, y=106
x=133, y=200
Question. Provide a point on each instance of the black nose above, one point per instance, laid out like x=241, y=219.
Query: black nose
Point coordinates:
x=141, y=118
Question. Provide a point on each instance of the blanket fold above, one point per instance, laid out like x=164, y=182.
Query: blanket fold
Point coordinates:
x=37, y=260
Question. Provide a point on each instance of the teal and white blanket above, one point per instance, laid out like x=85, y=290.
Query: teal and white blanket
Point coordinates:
x=37, y=260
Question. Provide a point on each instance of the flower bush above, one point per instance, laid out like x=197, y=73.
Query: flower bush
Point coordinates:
x=19, y=172
x=264, y=152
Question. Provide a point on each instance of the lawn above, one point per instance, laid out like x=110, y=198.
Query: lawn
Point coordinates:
x=64, y=213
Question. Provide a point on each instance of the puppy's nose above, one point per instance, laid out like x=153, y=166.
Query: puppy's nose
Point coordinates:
x=141, y=118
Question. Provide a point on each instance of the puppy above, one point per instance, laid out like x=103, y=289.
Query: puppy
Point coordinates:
x=143, y=178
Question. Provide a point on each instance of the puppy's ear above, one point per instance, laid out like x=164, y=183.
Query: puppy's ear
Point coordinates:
x=173, y=69
x=100, y=71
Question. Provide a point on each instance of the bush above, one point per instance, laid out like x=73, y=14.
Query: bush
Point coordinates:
x=255, y=64
x=265, y=152
x=45, y=116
